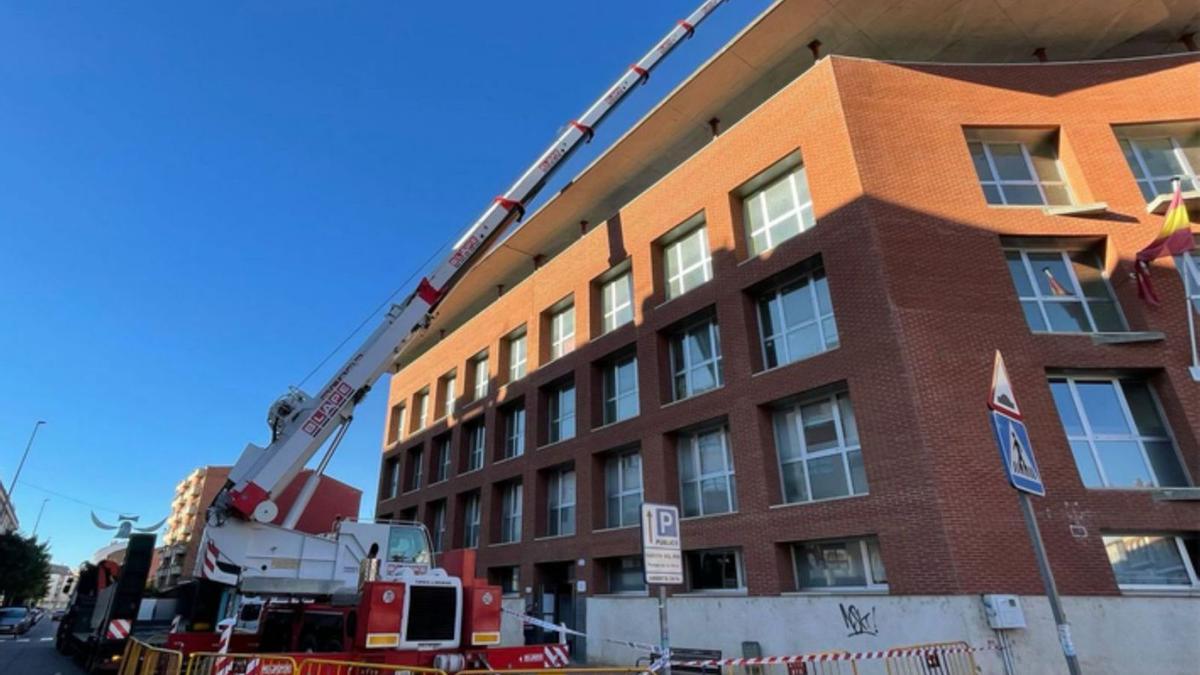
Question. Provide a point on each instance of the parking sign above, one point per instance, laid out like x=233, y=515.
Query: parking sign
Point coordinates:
x=662, y=559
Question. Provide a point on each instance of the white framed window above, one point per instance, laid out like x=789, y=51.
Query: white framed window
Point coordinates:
x=620, y=386
x=422, y=406
x=561, y=416
x=846, y=564
x=623, y=489
x=1117, y=433
x=819, y=452
x=514, y=431
x=778, y=211
x=796, y=320
x=1154, y=562
x=1063, y=291
x=706, y=473
x=392, y=487
x=396, y=426
x=687, y=262
x=471, y=521
x=625, y=574
x=560, y=503
x=437, y=525
x=696, y=359
x=508, y=578
x=449, y=393
x=443, y=456
x=476, y=442
x=479, y=373
x=510, y=513
x=517, y=356
x=616, y=301
x=1189, y=264
x=562, y=332
x=1015, y=173
x=718, y=569
x=1157, y=160
x=415, y=469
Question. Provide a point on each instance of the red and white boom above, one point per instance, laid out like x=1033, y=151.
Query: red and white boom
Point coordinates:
x=302, y=424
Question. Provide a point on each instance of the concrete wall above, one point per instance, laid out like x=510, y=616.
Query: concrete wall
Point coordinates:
x=1112, y=634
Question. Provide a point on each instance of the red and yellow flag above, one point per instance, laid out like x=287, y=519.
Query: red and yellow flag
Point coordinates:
x=1175, y=238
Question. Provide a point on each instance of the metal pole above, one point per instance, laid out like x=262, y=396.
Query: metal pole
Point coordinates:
x=664, y=632
x=1039, y=551
x=1187, y=297
x=13, y=486
x=39, y=518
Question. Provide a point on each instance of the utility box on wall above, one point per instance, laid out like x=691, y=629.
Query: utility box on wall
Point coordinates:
x=1003, y=611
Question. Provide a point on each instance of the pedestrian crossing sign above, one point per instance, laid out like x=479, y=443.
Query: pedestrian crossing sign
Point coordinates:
x=1016, y=453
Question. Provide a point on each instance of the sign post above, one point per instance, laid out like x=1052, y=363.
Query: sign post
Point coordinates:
x=1016, y=454
x=662, y=562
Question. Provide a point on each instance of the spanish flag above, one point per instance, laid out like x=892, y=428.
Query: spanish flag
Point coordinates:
x=1174, y=239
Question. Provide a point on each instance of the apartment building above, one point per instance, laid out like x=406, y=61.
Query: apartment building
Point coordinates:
x=788, y=331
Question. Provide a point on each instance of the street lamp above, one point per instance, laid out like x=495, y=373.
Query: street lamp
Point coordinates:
x=13, y=486
x=39, y=518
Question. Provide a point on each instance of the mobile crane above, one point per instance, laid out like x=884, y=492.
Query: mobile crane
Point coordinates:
x=389, y=566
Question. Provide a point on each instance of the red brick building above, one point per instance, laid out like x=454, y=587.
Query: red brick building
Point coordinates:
x=788, y=331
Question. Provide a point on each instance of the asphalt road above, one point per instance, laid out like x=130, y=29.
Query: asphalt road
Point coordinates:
x=33, y=653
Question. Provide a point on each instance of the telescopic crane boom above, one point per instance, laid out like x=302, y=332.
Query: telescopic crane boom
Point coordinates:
x=301, y=424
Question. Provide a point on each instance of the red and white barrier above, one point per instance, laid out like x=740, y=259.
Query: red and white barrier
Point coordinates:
x=833, y=656
x=118, y=629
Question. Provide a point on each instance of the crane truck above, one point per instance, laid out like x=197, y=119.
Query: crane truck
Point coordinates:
x=388, y=600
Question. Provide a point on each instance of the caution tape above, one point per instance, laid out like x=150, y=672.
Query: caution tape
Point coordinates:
x=654, y=650
x=834, y=656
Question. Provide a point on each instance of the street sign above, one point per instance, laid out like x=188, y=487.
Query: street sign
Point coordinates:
x=1016, y=452
x=662, y=559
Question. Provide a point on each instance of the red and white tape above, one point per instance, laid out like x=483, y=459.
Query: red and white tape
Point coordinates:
x=833, y=656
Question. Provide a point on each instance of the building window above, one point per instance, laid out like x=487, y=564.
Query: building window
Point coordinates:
x=1191, y=267
x=507, y=578
x=510, y=513
x=476, y=439
x=514, y=431
x=696, y=359
x=471, y=521
x=396, y=423
x=620, y=386
x=616, y=301
x=796, y=320
x=1018, y=171
x=819, y=453
x=517, y=355
x=625, y=575
x=561, y=420
x=479, y=373
x=449, y=394
x=706, y=473
x=623, y=489
x=837, y=565
x=560, y=503
x=391, y=486
x=442, y=459
x=437, y=525
x=779, y=211
x=1154, y=562
x=714, y=570
x=1158, y=154
x=687, y=262
x=562, y=331
x=423, y=408
x=1117, y=433
x=1063, y=291
x=414, y=470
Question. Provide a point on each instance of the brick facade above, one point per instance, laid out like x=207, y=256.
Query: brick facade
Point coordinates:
x=922, y=297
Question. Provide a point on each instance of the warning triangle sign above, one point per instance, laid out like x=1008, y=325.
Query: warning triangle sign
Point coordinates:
x=1002, y=398
x=1020, y=461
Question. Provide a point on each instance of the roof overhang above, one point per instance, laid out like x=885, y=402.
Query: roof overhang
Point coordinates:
x=773, y=50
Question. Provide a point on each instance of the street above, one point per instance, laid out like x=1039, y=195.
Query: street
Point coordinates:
x=33, y=653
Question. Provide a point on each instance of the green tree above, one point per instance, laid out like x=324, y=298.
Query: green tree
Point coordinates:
x=24, y=569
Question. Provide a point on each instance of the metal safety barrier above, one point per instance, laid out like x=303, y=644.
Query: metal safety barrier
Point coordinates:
x=318, y=666
x=140, y=658
x=216, y=663
x=598, y=670
x=934, y=658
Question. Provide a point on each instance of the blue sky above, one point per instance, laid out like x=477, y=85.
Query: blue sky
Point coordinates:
x=198, y=201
